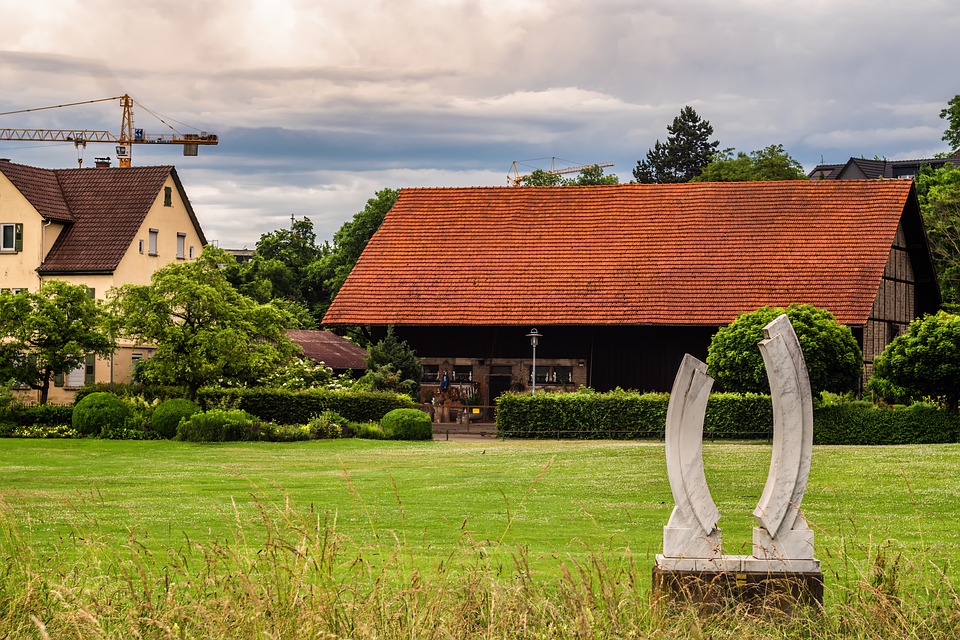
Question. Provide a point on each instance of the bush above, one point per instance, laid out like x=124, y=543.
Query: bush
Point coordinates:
x=328, y=425
x=218, y=425
x=370, y=431
x=44, y=415
x=99, y=412
x=284, y=406
x=166, y=417
x=407, y=424
x=148, y=392
x=864, y=423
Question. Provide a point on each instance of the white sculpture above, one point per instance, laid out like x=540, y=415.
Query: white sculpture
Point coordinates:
x=782, y=541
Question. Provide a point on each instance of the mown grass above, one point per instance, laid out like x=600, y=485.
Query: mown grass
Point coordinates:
x=443, y=539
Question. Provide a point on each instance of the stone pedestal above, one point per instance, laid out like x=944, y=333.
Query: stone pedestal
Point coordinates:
x=737, y=581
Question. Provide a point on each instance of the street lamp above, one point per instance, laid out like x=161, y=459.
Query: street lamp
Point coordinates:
x=534, y=341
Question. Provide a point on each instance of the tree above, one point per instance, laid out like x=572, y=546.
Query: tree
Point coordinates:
x=590, y=175
x=952, y=115
x=325, y=275
x=923, y=362
x=392, y=364
x=938, y=193
x=50, y=333
x=769, y=163
x=205, y=331
x=682, y=157
x=834, y=360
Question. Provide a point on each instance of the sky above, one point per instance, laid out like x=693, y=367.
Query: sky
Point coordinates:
x=319, y=104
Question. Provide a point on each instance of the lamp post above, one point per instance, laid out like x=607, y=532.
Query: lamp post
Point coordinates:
x=534, y=336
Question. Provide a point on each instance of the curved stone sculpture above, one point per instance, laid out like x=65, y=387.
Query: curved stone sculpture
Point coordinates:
x=783, y=533
x=692, y=529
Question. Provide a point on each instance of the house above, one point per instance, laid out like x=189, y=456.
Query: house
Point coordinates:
x=622, y=280
x=338, y=353
x=863, y=169
x=99, y=227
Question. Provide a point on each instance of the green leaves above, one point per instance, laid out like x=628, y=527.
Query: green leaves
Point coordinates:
x=769, y=163
x=682, y=157
x=834, y=360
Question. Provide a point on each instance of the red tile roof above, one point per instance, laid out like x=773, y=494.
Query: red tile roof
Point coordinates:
x=329, y=348
x=688, y=254
x=102, y=210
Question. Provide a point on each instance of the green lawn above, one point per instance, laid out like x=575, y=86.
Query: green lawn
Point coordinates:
x=555, y=499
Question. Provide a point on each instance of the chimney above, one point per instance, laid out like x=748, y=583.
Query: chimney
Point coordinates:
x=102, y=163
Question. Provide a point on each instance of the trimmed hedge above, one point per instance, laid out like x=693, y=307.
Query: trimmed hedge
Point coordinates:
x=44, y=415
x=148, y=392
x=864, y=423
x=100, y=412
x=623, y=414
x=407, y=424
x=620, y=414
x=166, y=417
x=285, y=406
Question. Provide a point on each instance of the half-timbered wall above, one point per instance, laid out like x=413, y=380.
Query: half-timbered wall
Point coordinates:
x=895, y=305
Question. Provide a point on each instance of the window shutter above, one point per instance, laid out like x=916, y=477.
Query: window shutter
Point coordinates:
x=90, y=374
x=18, y=237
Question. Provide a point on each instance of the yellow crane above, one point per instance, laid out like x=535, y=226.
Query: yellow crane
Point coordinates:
x=124, y=142
x=515, y=179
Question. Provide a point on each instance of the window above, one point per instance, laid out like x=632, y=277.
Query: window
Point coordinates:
x=462, y=373
x=181, y=241
x=191, y=252
x=431, y=373
x=168, y=196
x=11, y=237
x=141, y=246
x=152, y=248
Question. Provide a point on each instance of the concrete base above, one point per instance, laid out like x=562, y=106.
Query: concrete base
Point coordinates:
x=714, y=590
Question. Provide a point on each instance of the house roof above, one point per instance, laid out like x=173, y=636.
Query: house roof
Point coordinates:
x=329, y=348
x=102, y=209
x=687, y=254
x=861, y=168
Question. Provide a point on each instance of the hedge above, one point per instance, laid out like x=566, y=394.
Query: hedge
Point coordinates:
x=622, y=414
x=44, y=415
x=864, y=423
x=284, y=406
x=630, y=415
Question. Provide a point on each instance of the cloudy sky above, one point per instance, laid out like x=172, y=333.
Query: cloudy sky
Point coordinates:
x=320, y=103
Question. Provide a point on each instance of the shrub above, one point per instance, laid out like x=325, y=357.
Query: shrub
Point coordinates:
x=218, y=425
x=99, y=412
x=407, y=424
x=328, y=425
x=284, y=406
x=148, y=392
x=45, y=415
x=370, y=431
x=864, y=423
x=166, y=417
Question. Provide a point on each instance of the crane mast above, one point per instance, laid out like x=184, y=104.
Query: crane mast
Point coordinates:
x=129, y=135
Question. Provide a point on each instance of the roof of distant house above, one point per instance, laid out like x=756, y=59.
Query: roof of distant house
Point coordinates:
x=686, y=254
x=101, y=208
x=861, y=168
x=329, y=348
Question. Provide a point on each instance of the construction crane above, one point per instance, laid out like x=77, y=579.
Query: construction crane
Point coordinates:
x=124, y=142
x=515, y=179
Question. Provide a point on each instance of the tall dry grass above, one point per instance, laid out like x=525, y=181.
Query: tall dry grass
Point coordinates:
x=290, y=573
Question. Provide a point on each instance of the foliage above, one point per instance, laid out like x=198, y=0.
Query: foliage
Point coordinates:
x=28, y=415
x=865, y=423
x=218, y=425
x=392, y=365
x=300, y=373
x=168, y=414
x=833, y=358
x=924, y=362
x=590, y=175
x=299, y=407
x=952, y=115
x=683, y=156
x=370, y=431
x=329, y=425
x=769, y=163
x=407, y=424
x=148, y=392
x=50, y=333
x=938, y=193
x=205, y=331
x=325, y=275
x=44, y=431
x=99, y=412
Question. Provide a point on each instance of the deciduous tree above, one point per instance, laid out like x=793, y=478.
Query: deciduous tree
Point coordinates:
x=952, y=115
x=834, y=360
x=939, y=195
x=205, y=331
x=769, y=163
x=50, y=333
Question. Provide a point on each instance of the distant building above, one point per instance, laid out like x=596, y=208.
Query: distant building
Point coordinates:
x=863, y=169
x=241, y=255
x=99, y=227
x=338, y=353
x=622, y=280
